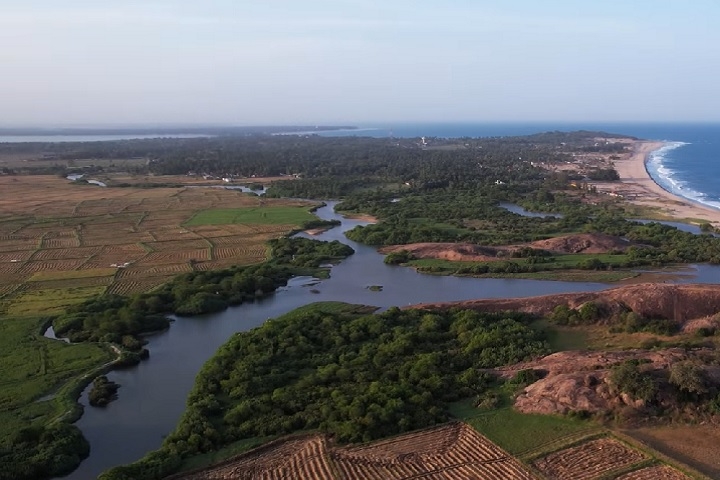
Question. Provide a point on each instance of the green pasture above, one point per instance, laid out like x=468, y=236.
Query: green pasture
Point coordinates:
x=520, y=433
x=32, y=366
x=252, y=216
x=50, y=301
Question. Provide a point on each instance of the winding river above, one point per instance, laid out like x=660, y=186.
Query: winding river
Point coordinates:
x=152, y=395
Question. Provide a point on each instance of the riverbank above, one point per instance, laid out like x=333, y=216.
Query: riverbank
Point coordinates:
x=639, y=188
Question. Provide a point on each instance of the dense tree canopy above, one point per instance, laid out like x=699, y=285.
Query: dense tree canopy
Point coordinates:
x=332, y=368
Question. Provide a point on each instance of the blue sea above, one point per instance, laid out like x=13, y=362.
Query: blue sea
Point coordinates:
x=688, y=166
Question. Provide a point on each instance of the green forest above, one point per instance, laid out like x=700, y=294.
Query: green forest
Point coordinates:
x=41, y=451
x=334, y=368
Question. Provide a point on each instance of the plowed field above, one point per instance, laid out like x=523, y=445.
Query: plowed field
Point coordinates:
x=449, y=452
x=51, y=225
x=588, y=460
x=660, y=472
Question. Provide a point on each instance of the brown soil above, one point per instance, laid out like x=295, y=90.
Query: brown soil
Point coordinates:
x=681, y=303
x=298, y=457
x=459, y=252
x=579, y=381
x=589, y=460
x=694, y=445
x=659, y=472
x=449, y=452
x=582, y=243
x=468, y=252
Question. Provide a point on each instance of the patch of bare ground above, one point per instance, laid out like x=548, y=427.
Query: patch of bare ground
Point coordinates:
x=449, y=452
x=469, y=252
x=363, y=217
x=298, y=457
x=680, y=303
x=459, y=252
x=455, y=451
x=694, y=445
x=579, y=381
x=582, y=243
x=588, y=460
x=658, y=472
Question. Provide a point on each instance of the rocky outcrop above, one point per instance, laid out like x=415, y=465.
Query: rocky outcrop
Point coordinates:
x=583, y=243
x=687, y=305
x=579, y=381
x=469, y=252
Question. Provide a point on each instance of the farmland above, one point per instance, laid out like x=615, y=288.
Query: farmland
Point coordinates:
x=588, y=460
x=128, y=240
x=254, y=216
x=452, y=451
x=61, y=243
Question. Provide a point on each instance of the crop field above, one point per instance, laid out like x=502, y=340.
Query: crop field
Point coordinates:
x=589, y=460
x=694, y=445
x=62, y=243
x=453, y=451
x=127, y=239
x=449, y=452
x=558, y=447
x=49, y=301
x=658, y=472
x=252, y=215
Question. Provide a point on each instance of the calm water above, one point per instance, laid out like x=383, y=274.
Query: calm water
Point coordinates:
x=152, y=396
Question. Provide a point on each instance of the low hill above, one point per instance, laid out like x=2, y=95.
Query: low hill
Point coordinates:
x=691, y=306
x=459, y=252
x=582, y=243
x=581, y=380
x=468, y=252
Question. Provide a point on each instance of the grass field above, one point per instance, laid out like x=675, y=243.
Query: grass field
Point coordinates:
x=32, y=366
x=62, y=243
x=520, y=433
x=253, y=216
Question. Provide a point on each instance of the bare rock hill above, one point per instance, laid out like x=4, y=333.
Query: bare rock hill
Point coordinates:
x=690, y=305
x=468, y=252
x=583, y=243
x=580, y=380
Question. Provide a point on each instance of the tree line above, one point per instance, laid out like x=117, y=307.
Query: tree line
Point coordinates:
x=334, y=368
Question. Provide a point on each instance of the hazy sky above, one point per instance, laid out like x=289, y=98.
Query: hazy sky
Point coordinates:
x=352, y=61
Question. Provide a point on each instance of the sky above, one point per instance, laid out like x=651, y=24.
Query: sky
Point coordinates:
x=281, y=62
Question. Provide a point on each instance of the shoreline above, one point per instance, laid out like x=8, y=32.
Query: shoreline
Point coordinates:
x=641, y=189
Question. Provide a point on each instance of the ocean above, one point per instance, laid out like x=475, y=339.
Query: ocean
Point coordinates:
x=688, y=166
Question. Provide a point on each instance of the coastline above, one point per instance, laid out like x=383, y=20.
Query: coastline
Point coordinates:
x=639, y=187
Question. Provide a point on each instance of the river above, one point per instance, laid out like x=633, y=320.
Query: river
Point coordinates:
x=152, y=395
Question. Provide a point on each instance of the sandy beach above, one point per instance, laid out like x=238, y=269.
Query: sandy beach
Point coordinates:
x=639, y=188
